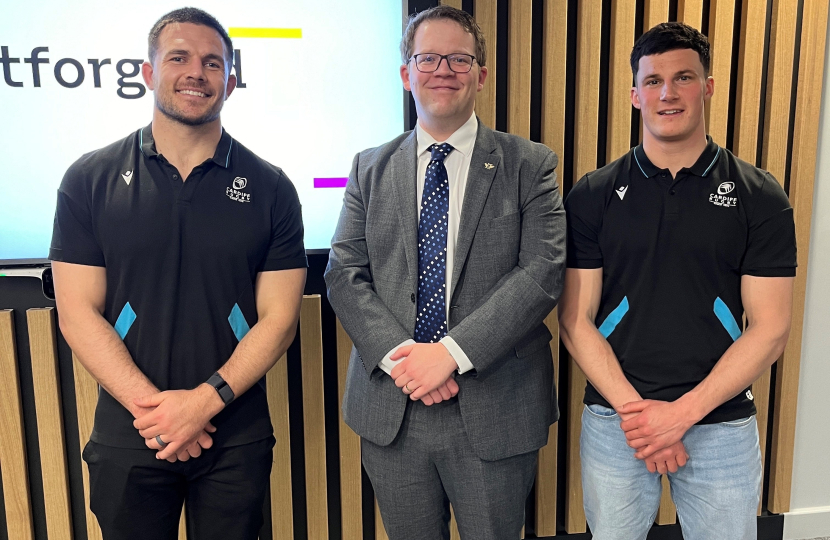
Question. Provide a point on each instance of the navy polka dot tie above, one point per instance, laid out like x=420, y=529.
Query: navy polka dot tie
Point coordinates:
x=431, y=321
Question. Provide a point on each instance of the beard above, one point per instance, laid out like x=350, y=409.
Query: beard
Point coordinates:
x=171, y=111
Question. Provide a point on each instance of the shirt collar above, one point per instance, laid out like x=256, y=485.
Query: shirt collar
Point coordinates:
x=462, y=140
x=222, y=155
x=702, y=166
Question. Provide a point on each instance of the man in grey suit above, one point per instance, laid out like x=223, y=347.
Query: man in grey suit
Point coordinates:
x=448, y=255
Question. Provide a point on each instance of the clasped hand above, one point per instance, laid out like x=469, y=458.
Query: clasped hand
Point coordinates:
x=654, y=429
x=425, y=372
x=181, y=418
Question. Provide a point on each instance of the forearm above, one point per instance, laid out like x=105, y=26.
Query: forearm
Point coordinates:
x=594, y=356
x=258, y=351
x=748, y=357
x=103, y=354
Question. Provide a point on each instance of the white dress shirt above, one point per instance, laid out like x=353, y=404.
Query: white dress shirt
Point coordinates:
x=457, y=164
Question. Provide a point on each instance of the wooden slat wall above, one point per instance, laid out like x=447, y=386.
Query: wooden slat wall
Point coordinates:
x=351, y=493
x=486, y=13
x=802, y=179
x=623, y=20
x=86, y=397
x=721, y=23
x=18, y=504
x=276, y=382
x=311, y=346
x=43, y=347
x=518, y=74
x=750, y=67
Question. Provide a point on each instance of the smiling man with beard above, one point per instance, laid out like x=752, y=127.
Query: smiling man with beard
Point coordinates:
x=179, y=268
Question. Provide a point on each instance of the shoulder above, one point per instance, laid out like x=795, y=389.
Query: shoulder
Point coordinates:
x=515, y=147
x=247, y=162
x=101, y=164
x=598, y=185
x=746, y=176
x=384, y=151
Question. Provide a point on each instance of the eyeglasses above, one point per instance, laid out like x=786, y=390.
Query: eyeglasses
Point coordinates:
x=457, y=62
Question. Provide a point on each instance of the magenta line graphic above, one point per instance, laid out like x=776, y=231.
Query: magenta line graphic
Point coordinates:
x=330, y=182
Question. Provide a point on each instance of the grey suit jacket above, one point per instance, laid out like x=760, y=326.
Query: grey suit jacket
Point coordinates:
x=508, y=274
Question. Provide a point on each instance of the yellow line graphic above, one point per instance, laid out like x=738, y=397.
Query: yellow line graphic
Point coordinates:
x=285, y=33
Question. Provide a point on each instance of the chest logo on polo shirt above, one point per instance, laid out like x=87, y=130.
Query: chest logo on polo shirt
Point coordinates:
x=720, y=198
x=128, y=177
x=621, y=191
x=235, y=193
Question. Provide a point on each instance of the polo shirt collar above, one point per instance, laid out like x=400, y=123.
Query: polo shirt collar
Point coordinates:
x=702, y=167
x=462, y=140
x=222, y=155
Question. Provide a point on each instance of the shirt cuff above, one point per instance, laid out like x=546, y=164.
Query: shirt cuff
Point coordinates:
x=388, y=365
x=464, y=364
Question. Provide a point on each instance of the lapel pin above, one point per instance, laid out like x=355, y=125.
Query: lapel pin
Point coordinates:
x=488, y=166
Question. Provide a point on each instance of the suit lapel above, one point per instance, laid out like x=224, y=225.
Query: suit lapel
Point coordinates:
x=404, y=171
x=483, y=167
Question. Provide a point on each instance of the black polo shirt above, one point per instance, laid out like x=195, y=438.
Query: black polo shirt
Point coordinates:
x=181, y=260
x=672, y=253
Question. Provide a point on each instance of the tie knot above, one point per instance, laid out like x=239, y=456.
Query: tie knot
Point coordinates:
x=440, y=151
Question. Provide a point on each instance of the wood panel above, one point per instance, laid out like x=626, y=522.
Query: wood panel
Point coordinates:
x=314, y=428
x=457, y=5
x=721, y=23
x=454, y=534
x=554, y=77
x=623, y=18
x=589, y=28
x=774, y=152
x=750, y=71
x=52, y=445
x=282, y=519
x=654, y=13
x=667, y=513
x=485, y=12
x=690, y=12
x=183, y=525
x=380, y=532
x=86, y=399
x=351, y=493
x=518, y=66
x=802, y=179
x=547, y=474
x=761, y=393
x=16, y=497
x=779, y=89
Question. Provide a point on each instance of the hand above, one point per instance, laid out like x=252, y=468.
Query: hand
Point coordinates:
x=194, y=450
x=180, y=417
x=445, y=391
x=668, y=459
x=658, y=425
x=425, y=367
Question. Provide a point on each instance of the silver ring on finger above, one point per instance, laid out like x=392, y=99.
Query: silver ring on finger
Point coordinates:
x=161, y=443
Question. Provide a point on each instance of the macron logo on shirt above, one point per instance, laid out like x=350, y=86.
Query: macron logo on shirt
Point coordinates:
x=621, y=191
x=128, y=177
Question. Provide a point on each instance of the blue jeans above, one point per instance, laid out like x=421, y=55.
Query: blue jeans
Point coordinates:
x=716, y=493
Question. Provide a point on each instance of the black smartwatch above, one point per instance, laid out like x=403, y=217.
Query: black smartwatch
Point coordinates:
x=225, y=391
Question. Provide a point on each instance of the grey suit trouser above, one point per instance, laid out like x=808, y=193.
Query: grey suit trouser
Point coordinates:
x=431, y=464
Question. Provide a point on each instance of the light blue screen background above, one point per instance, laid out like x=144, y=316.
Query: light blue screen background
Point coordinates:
x=310, y=104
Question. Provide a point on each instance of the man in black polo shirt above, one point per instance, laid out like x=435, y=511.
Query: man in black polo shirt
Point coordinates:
x=179, y=269
x=668, y=247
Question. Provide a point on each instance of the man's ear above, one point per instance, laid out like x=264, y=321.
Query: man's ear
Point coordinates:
x=405, y=77
x=635, y=97
x=230, y=85
x=147, y=75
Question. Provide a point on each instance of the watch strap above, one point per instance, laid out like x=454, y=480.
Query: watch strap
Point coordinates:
x=222, y=388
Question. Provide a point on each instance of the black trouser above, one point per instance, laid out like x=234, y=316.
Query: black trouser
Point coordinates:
x=136, y=496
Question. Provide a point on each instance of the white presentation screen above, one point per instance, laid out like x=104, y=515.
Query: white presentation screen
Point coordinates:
x=319, y=82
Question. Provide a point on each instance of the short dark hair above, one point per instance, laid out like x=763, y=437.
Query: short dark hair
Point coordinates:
x=188, y=15
x=464, y=19
x=671, y=36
